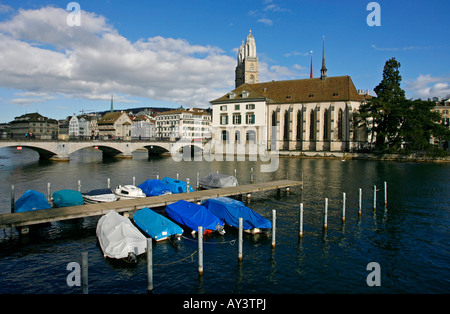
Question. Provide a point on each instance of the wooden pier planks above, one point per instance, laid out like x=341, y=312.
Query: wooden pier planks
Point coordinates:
x=57, y=214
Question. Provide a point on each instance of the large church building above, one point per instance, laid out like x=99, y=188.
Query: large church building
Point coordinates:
x=308, y=115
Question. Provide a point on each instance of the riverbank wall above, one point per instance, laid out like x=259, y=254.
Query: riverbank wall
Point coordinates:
x=364, y=156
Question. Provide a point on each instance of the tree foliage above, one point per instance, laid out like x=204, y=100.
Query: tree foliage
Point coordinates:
x=398, y=123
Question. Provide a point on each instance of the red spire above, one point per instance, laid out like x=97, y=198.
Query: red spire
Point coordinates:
x=311, y=73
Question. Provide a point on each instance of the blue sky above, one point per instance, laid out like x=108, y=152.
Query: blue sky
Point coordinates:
x=183, y=52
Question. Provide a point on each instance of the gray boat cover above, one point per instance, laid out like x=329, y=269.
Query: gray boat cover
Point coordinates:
x=217, y=180
x=118, y=236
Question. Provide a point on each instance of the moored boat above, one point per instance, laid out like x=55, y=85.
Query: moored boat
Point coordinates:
x=119, y=238
x=154, y=188
x=156, y=226
x=99, y=196
x=230, y=210
x=65, y=198
x=194, y=216
x=126, y=192
x=176, y=186
x=31, y=200
x=217, y=180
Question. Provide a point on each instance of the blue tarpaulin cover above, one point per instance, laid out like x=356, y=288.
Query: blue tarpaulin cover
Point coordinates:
x=193, y=215
x=31, y=200
x=154, y=188
x=155, y=225
x=64, y=198
x=176, y=186
x=230, y=210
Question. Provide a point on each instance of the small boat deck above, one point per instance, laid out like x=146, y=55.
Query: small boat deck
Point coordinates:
x=56, y=214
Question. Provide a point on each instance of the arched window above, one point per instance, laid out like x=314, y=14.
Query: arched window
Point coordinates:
x=286, y=126
x=326, y=122
x=299, y=125
x=312, y=128
x=251, y=137
x=237, y=137
x=225, y=136
x=340, y=124
x=274, y=118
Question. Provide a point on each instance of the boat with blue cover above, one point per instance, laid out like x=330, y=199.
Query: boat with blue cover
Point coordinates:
x=154, y=188
x=65, y=198
x=176, y=186
x=194, y=215
x=230, y=210
x=156, y=226
x=31, y=200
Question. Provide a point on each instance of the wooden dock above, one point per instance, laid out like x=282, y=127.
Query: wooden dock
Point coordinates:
x=56, y=214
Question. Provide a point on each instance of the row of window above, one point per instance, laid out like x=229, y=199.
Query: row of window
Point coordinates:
x=238, y=107
x=237, y=119
x=250, y=136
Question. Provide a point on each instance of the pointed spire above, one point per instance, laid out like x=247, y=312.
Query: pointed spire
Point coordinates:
x=311, y=71
x=323, y=71
x=112, y=106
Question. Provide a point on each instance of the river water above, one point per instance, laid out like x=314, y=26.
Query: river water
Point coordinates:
x=409, y=239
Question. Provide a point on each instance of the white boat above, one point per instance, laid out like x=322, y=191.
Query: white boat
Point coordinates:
x=126, y=192
x=119, y=238
x=99, y=196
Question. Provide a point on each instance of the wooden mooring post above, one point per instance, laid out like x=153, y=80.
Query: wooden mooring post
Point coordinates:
x=149, y=265
x=200, y=250
x=385, y=194
x=240, y=238
x=274, y=227
x=374, y=197
x=84, y=273
x=360, y=201
x=12, y=198
x=343, y=206
x=325, y=215
x=300, y=227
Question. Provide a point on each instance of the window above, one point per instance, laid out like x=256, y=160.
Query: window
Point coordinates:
x=237, y=137
x=251, y=137
x=232, y=95
x=225, y=136
x=245, y=94
x=250, y=118
x=236, y=119
x=237, y=107
x=223, y=108
x=250, y=106
x=224, y=119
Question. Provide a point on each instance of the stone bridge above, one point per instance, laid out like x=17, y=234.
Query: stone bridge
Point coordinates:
x=61, y=150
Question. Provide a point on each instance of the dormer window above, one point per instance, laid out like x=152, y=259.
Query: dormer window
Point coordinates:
x=232, y=95
x=245, y=94
x=311, y=95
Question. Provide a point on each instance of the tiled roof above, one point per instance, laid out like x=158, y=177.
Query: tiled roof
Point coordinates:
x=338, y=88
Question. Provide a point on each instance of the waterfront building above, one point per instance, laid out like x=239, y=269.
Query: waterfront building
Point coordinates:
x=115, y=125
x=192, y=124
x=315, y=114
x=74, y=127
x=143, y=127
x=34, y=125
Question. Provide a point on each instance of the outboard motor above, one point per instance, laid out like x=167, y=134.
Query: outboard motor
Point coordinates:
x=220, y=229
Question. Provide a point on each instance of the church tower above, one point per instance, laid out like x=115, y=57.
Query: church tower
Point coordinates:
x=247, y=69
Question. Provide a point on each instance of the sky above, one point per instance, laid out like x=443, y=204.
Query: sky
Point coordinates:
x=171, y=53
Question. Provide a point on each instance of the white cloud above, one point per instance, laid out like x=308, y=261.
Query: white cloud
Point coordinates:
x=426, y=86
x=266, y=21
x=39, y=52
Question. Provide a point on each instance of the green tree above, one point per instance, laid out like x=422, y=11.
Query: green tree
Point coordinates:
x=398, y=123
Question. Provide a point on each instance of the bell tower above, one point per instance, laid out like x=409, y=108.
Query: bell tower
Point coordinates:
x=247, y=69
